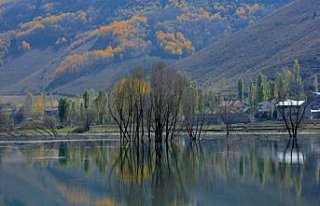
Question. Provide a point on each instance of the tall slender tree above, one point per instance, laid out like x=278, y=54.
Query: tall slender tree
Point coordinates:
x=315, y=83
x=241, y=89
x=86, y=99
x=63, y=108
x=251, y=92
x=260, y=88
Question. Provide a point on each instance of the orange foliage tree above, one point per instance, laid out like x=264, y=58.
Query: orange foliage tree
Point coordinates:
x=125, y=34
x=25, y=45
x=72, y=63
x=175, y=44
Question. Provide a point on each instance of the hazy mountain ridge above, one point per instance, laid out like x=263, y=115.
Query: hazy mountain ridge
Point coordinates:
x=82, y=38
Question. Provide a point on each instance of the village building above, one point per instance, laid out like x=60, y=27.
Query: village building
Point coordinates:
x=266, y=110
x=315, y=106
x=291, y=108
x=51, y=112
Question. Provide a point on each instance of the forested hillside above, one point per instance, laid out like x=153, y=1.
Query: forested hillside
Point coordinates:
x=55, y=45
x=268, y=46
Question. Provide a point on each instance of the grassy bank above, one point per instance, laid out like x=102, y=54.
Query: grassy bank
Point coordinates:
x=254, y=127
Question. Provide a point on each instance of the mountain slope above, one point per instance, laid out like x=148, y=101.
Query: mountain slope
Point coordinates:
x=269, y=45
x=49, y=45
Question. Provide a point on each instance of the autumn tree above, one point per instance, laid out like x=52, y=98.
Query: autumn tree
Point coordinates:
x=127, y=104
x=25, y=45
x=39, y=105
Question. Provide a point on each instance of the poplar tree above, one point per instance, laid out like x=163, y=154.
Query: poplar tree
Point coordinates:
x=260, y=88
x=241, y=89
x=315, y=83
x=251, y=92
x=63, y=108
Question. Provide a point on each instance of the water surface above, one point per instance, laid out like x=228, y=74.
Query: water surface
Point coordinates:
x=209, y=172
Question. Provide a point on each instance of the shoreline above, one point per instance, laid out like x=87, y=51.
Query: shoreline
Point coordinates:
x=114, y=136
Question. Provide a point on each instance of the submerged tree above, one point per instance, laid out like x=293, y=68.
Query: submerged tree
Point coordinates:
x=126, y=105
x=153, y=103
x=167, y=89
x=292, y=111
x=225, y=113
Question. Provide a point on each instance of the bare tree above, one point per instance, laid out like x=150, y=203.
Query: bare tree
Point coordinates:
x=127, y=102
x=46, y=127
x=293, y=111
x=167, y=88
x=225, y=112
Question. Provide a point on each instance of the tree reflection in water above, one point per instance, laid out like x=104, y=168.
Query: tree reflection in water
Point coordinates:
x=292, y=153
x=154, y=166
x=177, y=173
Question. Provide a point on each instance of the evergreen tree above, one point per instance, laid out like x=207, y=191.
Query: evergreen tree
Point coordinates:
x=241, y=89
x=63, y=108
x=86, y=99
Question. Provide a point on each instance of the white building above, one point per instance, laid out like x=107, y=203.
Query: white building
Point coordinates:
x=290, y=107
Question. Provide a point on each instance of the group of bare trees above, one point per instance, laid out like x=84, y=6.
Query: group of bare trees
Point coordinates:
x=155, y=104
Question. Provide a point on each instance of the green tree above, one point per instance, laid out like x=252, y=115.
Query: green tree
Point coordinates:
x=296, y=72
x=86, y=100
x=100, y=103
x=260, y=90
x=241, y=89
x=315, y=83
x=296, y=80
x=271, y=86
x=251, y=92
x=63, y=109
x=280, y=87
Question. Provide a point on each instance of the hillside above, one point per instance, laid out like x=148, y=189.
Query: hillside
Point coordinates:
x=267, y=46
x=51, y=45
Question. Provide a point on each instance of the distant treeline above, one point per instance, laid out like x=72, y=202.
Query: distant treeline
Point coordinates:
x=158, y=102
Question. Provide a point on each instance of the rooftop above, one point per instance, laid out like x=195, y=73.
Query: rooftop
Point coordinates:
x=291, y=103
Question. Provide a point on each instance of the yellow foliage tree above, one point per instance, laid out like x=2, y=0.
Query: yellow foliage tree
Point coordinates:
x=175, y=44
x=38, y=107
x=25, y=45
x=72, y=63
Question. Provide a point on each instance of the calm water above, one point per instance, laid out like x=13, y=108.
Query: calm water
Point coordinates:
x=211, y=172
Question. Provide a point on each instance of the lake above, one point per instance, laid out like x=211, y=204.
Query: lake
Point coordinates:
x=208, y=172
